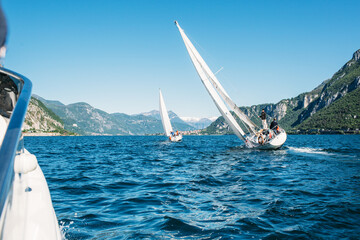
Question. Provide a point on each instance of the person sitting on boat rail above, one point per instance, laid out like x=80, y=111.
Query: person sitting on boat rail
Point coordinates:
x=273, y=124
x=263, y=119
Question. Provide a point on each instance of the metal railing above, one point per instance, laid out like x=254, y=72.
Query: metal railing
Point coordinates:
x=12, y=143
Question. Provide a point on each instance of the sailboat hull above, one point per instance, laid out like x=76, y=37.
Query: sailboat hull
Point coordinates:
x=275, y=143
x=177, y=138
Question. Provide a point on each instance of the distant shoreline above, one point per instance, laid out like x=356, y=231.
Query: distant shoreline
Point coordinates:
x=290, y=133
x=323, y=132
x=43, y=134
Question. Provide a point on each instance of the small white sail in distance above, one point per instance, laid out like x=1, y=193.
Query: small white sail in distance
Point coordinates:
x=164, y=116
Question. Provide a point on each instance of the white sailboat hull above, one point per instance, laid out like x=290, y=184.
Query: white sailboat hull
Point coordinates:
x=275, y=143
x=176, y=138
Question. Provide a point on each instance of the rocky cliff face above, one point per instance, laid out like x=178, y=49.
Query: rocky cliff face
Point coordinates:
x=291, y=113
x=40, y=119
x=346, y=80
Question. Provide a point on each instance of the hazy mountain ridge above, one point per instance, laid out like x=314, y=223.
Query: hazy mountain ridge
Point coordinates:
x=84, y=119
x=291, y=113
x=198, y=123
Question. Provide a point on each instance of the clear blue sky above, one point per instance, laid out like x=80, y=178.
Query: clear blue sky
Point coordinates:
x=115, y=55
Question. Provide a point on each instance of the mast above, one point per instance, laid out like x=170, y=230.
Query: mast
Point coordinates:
x=215, y=82
x=164, y=116
x=205, y=75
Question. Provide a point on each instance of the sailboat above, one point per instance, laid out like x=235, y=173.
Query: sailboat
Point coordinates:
x=254, y=136
x=173, y=136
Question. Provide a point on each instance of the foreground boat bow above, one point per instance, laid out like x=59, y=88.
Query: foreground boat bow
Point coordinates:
x=26, y=210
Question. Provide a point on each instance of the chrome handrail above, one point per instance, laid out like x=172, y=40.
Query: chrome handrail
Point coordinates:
x=12, y=143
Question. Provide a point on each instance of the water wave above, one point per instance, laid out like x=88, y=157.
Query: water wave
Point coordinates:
x=206, y=187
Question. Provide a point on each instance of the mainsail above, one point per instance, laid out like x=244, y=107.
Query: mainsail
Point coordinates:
x=164, y=115
x=215, y=89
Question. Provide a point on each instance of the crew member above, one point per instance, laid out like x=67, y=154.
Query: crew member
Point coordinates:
x=263, y=119
x=273, y=124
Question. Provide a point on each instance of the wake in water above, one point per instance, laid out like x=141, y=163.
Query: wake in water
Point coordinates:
x=309, y=150
x=65, y=227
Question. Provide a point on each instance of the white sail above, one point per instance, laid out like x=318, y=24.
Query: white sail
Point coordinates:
x=245, y=119
x=267, y=139
x=215, y=82
x=205, y=75
x=164, y=116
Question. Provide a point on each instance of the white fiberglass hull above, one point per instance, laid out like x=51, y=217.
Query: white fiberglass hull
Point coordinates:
x=29, y=213
x=177, y=138
x=275, y=143
x=264, y=143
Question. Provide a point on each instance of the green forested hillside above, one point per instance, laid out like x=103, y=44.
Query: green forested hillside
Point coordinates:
x=343, y=114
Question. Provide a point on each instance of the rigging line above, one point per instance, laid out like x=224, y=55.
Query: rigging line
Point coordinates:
x=244, y=123
x=218, y=70
x=232, y=106
x=244, y=115
x=213, y=59
x=256, y=116
x=232, y=122
x=201, y=69
x=248, y=119
x=206, y=53
x=248, y=128
x=236, y=109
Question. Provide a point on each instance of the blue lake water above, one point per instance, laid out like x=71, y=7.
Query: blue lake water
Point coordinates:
x=206, y=187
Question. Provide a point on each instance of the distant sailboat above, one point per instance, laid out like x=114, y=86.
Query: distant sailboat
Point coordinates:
x=256, y=138
x=173, y=136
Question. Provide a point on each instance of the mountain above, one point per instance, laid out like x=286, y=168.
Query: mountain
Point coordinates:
x=84, y=119
x=333, y=105
x=176, y=121
x=343, y=116
x=198, y=123
x=56, y=103
x=40, y=119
